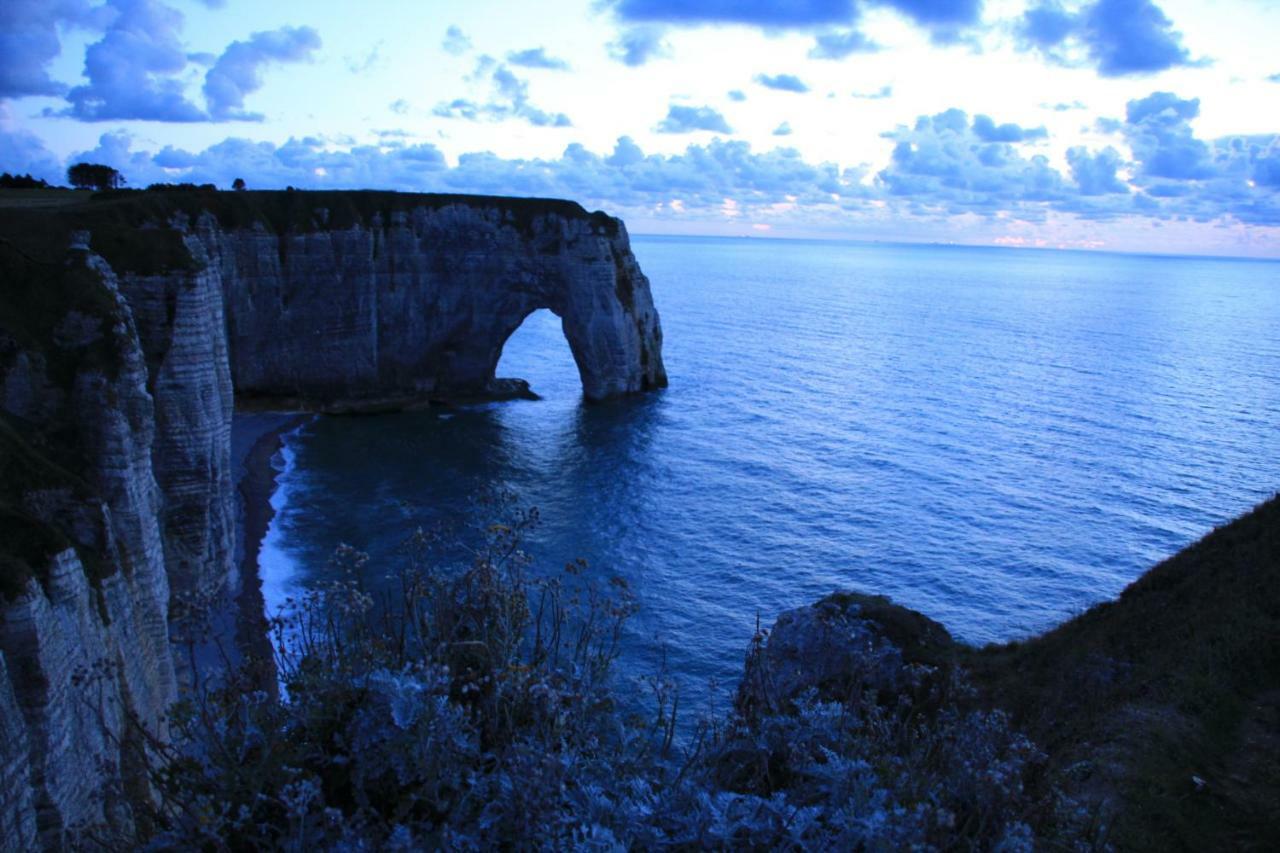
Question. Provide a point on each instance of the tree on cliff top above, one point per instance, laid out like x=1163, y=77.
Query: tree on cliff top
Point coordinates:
x=94, y=176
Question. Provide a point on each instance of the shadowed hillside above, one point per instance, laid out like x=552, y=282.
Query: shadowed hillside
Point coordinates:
x=1168, y=697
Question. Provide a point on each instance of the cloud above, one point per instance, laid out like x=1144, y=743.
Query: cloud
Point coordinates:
x=455, y=41
x=1095, y=173
x=536, y=57
x=1064, y=106
x=509, y=99
x=638, y=45
x=135, y=71
x=878, y=95
x=945, y=165
x=1158, y=129
x=29, y=41
x=940, y=168
x=1273, y=78
x=22, y=152
x=838, y=45
x=944, y=19
x=783, y=129
x=782, y=82
x=132, y=69
x=987, y=130
x=1132, y=37
x=370, y=61
x=779, y=14
x=1119, y=37
x=238, y=72
x=399, y=106
x=682, y=119
x=737, y=95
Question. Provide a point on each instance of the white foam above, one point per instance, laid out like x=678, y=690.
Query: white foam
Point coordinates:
x=277, y=568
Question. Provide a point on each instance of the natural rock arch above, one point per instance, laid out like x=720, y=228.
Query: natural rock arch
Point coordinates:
x=419, y=303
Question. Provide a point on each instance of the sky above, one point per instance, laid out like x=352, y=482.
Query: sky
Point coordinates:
x=1122, y=125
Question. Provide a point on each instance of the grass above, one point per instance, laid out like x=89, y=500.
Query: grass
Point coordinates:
x=1167, y=698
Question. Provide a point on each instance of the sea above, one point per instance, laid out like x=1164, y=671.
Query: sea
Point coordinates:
x=998, y=438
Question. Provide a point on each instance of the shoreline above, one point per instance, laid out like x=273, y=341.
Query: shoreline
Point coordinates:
x=255, y=486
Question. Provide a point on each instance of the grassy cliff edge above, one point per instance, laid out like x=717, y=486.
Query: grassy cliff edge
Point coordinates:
x=1168, y=698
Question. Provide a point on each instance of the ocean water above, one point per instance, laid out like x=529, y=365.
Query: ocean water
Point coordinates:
x=996, y=438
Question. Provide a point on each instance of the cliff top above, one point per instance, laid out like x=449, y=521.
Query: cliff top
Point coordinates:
x=40, y=221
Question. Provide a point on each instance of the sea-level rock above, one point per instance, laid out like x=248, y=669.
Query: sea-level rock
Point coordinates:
x=130, y=325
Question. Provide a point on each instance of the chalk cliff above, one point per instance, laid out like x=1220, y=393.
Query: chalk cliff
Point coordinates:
x=130, y=324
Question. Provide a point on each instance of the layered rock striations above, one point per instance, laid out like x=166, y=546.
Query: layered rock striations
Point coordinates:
x=128, y=327
x=83, y=617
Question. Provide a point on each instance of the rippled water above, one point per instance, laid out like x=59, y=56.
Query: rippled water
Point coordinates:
x=996, y=438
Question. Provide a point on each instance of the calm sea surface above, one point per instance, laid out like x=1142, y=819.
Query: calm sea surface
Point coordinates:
x=996, y=438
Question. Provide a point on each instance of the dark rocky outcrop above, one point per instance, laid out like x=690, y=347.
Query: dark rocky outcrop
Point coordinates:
x=129, y=326
x=842, y=647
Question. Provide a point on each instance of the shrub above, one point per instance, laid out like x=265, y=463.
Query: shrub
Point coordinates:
x=472, y=707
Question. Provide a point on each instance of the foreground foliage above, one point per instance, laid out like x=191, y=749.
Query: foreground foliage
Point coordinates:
x=474, y=709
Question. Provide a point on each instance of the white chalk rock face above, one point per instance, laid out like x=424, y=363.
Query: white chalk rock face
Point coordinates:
x=119, y=370
x=417, y=302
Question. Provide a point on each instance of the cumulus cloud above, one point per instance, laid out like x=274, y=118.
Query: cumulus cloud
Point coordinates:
x=987, y=130
x=638, y=45
x=737, y=95
x=29, y=41
x=238, y=72
x=944, y=165
x=509, y=99
x=782, y=82
x=22, y=152
x=132, y=69
x=1158, y=128
x=1118, y=37
x=536, y=57
x=136, y=70
x=455, y=41
x=838, y=45
x=783, y=129
x=1095, y=172
x=682, y=119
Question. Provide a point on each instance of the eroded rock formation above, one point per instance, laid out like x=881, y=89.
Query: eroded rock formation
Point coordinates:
x=130, y=323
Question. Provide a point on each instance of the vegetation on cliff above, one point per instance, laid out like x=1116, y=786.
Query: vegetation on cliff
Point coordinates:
x=1166, y=702
x=130, y=227
x=476, y=709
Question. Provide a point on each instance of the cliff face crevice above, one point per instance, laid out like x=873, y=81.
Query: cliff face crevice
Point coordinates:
x=130, y=325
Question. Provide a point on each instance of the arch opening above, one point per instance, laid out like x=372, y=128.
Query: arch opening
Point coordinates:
x=538, y=353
